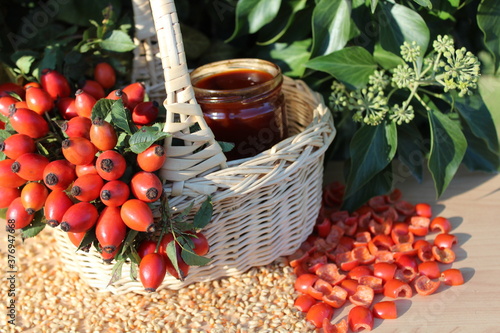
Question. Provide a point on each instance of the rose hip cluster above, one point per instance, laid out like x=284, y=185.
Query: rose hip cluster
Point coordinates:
x=381, y=248
x=90, y=186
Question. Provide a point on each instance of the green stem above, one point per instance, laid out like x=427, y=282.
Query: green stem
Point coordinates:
x=165, y=219
x=427, y=108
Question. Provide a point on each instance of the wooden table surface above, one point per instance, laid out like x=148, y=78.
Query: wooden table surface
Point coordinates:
x=472, y=203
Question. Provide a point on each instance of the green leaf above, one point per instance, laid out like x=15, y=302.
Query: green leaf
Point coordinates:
x=185, y=212
x=145, y=137
x=4, y=134
x=351, y=65
x=88, y=239
x=102, y=108
x=120, y=117
x=51, y=58
x=195, y=42
x=488, y=87
x=386, y=59
x=447, y=150
x=172, y=255
x=373, y=6
x=271, y=33
x=133, y=271
x=478, y=118
x=424, y=3
x=79, y=13
x=117, y=41
x=204, y=215
x=116, y=273
x=35, y=227
x=372, y=149
x=398, y=24
x=331, y=26
x=24, y=63
x=291, y=57
x=192, y=259
x=129, y=240
x=251, y=15
x=478, y=156
x=226, y=146
x=411, y=149
x=380, y=183
x=488, y=20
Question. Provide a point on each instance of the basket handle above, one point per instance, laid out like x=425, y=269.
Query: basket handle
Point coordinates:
x=200, y=151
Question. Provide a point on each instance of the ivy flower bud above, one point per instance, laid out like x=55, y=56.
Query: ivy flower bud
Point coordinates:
x=401, y=115
x=461, y=71
x=410, y=52
x=378, y=80
x=369, y=106
x=443, y=44
x=403, y=76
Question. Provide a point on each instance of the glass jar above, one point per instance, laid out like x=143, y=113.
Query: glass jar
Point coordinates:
x=242, y=103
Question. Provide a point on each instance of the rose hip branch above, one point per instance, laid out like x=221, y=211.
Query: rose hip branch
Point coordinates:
x=11, y=274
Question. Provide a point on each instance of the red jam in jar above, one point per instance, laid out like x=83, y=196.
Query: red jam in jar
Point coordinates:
x=242, y=103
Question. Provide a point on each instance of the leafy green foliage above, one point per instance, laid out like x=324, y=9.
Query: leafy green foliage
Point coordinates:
x=488, y=19
x=324, y=43
x=448, y=147
x=351, y=65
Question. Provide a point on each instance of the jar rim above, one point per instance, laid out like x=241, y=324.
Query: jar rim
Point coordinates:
x=216, y=67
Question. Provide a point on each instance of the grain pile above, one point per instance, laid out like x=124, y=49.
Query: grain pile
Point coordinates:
x=53, y=300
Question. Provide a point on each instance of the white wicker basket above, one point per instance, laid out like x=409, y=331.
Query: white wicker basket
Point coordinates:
x=264, y=207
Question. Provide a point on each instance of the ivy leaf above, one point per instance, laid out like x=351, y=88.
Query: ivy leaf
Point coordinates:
x=477, y=116
x=291, y=57
x=478, y=157
x=380, y=183
x=448, y=146
x=117, y=41
x=351, y=65
x=424, y=3
x=102, y=108
x=251, y=15
x=488, y=20
x=35, y=227
x=398, y=24
x=284, y=19
x=372, y=149
x=331, y=26
x=116, y=273
x=195, y=42
x=386, y=59
x=145, y=137
x=204, y=215
x=411, y=149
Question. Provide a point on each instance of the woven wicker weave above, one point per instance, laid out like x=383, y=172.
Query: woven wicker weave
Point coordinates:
x=264, y=207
